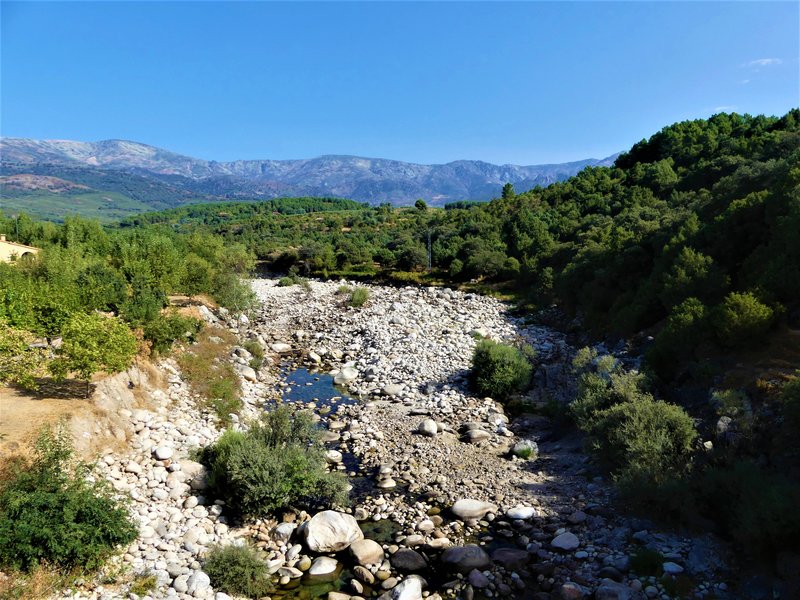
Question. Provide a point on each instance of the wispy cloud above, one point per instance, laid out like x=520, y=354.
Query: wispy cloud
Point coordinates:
x=763, y=62
x=725, y=108
x=744, y=81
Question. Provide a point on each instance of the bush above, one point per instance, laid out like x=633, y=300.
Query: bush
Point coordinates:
x=237, y=570
x=646, y=442
x=499, y=370
x=234, y=293
x=344, y=290
x=50, y=511
x=286, y=282
x=254, y=348
x=741, y=319
x=276, y=463
x=143, y=584
x=162, y=332
x=358, y=297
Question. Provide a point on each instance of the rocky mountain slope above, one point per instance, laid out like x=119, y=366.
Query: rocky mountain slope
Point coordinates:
x=366, y=179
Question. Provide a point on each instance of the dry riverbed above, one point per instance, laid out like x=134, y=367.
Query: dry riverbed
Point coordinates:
x=449, y=510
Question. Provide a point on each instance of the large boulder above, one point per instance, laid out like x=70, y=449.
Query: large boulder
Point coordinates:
x=465, y=558
x=331, y=531
x=467, y=508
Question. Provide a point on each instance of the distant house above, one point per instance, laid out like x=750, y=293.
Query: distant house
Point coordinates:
x=12, y=251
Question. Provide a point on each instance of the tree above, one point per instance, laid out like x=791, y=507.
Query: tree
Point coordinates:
x=94, y=343
x=741, y=319
x=20, y=363
x=508, y=191
x=421, y=204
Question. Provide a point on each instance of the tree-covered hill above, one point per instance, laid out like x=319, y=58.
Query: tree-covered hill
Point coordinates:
x=693, y=233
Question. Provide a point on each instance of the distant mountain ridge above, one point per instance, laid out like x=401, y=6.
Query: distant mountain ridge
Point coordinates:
x=365, y=179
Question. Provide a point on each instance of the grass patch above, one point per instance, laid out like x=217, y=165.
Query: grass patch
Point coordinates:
x=44, y=581
x=237, y=570
x=358, y=297
x=254, y=348
x=143, y=584
x=209, y=373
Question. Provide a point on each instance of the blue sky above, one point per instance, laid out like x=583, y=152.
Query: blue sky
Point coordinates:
x=522, y=83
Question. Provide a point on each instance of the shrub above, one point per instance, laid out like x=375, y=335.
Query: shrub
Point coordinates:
x=274, y=464
x=20, y=364
x=646, y=442
x=254, y=348
x=286, y=282
x=358, y=297
x=686, y=326
x=343, y=290
x=499, y=370
x=741, y=319
x=233, y=293
x=602, y=390
x=237, y=570
x=50, y=511
x=163, y=331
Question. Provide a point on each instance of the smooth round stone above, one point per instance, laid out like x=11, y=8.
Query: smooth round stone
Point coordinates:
x=566, y=541
x=323, y=565
x=366, y=552
x=428, y=427
x=468, y=508
x=162, y=453
x=522, y=513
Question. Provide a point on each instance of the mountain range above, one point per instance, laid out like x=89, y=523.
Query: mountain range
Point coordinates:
x=152, y=178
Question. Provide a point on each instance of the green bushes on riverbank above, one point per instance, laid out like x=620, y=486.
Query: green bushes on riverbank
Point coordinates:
x=275, y=464
x=500, y=370
x=51, y=512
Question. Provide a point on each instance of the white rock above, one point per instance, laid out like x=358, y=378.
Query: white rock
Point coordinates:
x=323, y=565
x=408, y=589
x=366, y=552
x=331, y=531
x=162, y=453
x=280, y=347
x=346, y=375
x=521, y=512
x=468, y=508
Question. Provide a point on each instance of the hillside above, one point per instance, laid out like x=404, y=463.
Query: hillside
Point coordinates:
x=161, y=178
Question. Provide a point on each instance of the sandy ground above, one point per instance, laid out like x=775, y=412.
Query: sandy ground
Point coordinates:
x=22, y=414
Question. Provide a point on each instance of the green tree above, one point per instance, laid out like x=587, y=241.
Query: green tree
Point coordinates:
x=20, y=363
x=741, y=319
x=508, y=191
x=94, y=343
x=421, y=205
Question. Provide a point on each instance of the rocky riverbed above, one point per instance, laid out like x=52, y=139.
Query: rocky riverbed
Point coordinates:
x=434, y=467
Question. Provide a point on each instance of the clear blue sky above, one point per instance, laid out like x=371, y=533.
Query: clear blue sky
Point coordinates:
x=522, y=83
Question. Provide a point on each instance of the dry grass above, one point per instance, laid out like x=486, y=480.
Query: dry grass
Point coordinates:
x=43, y=582
x=209, y=373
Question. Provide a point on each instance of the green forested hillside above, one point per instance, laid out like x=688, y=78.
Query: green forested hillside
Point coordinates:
x=693, y=234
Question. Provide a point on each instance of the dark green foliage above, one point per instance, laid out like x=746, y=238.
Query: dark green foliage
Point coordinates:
x=275, y=464
x=237, y=570
x=647, y=562
x=757, y=508
x=50, y=512
x=645, y=441
x=257, y=351
x=499, y=370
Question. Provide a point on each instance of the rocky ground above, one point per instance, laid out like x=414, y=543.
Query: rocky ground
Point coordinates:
x=433, y=466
